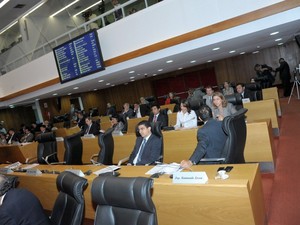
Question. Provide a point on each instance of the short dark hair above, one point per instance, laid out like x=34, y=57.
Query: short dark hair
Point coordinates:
x=145, y=123
x=156, y=105
x=116, y=116
x=205, y=112
x=242, y=84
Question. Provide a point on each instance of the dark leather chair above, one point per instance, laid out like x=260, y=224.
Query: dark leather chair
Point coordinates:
x=235, y=99
x=47, y=148
x=73, y=149
x=106, y=144
x=69, y=205
x=235, y=128
x=123, y=201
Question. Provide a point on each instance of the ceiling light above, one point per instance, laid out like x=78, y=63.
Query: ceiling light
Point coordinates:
x=112, y=85
x=146, y=74
x=131, y=77
x=280, y=43
x=88, y=8
x=131, y=80
x=169, y=61
x=100, y=81
x=278, y=39
x=37, y=99
x=35, y=8
x=139, y=74
x=209, y=61
x=180, y=68
x=255, y=52
x=233, y=51
x=215, y=49
x=154, y=74
x=11, y=106
x=72, y=3
x=132, y=71
x=95, y=89
x=257, y=46
x=160, y=70
x=242, y=53
x=193, y=61
x=75, y=88
x=276, y=32
x=69, y=93
x=107, y=83
x=9, y=26
x=54, y=94
x=3, y=3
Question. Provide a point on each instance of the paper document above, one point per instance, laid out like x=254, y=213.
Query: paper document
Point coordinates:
x=106, y=170
x=165, y=168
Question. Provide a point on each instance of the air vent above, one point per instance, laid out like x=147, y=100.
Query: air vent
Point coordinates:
x=19, y=6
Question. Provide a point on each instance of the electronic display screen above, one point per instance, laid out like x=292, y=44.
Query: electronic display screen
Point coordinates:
x=79, y=57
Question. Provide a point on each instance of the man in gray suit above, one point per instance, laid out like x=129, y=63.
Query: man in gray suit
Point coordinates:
x=208, y=96
x=148, y=147
x=211, y=139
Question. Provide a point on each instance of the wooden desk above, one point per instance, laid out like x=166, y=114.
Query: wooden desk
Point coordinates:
x=172, y=118
x=105, y=125
x=14, y=153
x=263, y=110
x=272, y=93
x=168, y=106
x=237, y=200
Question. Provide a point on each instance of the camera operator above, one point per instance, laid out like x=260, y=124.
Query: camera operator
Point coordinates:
x=285, y=76
x=264, y=75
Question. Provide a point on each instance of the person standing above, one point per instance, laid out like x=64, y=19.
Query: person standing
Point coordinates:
x=285, y=76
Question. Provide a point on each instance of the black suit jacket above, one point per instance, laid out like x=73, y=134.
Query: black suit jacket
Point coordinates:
x=81, y=123
x=22, y=207
x=93, y=130
x=211, y=140
x=248, y=94
x=152, y=150
x=161, y=118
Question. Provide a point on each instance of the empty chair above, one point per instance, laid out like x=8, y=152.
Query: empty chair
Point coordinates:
x=123, y=201
x=47, y=148
x=235, y=128
x=106, y=145
x=69, y=205
x=73, y=149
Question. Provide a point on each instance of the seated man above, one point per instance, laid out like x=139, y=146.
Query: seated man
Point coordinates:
x=147, y=148
x=211, y=138
x=157, y=116
x=240, y=88
x=19, y=206
x=91, y=127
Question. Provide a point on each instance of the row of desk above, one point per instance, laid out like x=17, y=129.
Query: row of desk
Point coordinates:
x=237, y=200
x=178, y=145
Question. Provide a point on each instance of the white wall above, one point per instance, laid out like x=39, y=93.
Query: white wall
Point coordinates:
x=157, y=23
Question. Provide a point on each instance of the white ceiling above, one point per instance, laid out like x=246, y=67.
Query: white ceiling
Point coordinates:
x=244, y=38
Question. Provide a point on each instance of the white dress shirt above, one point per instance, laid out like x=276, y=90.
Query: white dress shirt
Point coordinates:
x=186, y=120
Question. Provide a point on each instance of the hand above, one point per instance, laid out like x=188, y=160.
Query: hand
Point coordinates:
x=220, y=117
x=129, y=164
x=186, y=164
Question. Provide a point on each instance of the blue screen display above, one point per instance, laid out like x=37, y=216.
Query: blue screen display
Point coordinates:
x=79, y=57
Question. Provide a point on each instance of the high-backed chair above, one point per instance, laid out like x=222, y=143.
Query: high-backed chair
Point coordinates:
x=69, y=205
x=47, y=148
x=255, y=89
x=123, y=201
x=235, y=128
x=73, y=149
x=106, y=144
x=156, y=130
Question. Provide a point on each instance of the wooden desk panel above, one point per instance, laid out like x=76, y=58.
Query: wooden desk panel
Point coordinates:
x=168, y=106
x=172, y=118
x=14, y=153
x=237, y=200
x=272, y=93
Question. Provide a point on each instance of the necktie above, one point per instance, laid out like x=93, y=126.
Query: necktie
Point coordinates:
x=141, y=150
x=154, y=118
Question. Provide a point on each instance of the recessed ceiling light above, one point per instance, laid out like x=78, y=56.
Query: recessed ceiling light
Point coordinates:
x=154, y=74
x=37, y=99
x=169, y=61
x=95, y=89
x=11, y=106
x=112, y=85
x=276, y=32
x=233, y=51
x=75, y=88
x=69, y=93
x=257, y=46
x=107, y=83
x=139, y=74
x=255, y=52
x=209, y=61
x=215, y=49
x=146, y=74
x=131, y=78
x=242, y=53
x=278, y=39
x=180, y=68
x=193, y=61
x=160, y=70
x=132, y=71
x=280, y=43
x=100, y=81
x=54, y=94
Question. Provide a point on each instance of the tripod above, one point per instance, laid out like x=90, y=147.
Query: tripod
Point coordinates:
x=296, y=83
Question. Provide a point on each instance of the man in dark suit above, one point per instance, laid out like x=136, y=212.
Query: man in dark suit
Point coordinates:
x=240, y=88
x=157, y=116
x=12, y=136
x=81, y=120
x=91, y=127
x=285, y=76
x=211, y=138
x=19, y=206
x=148, y=147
